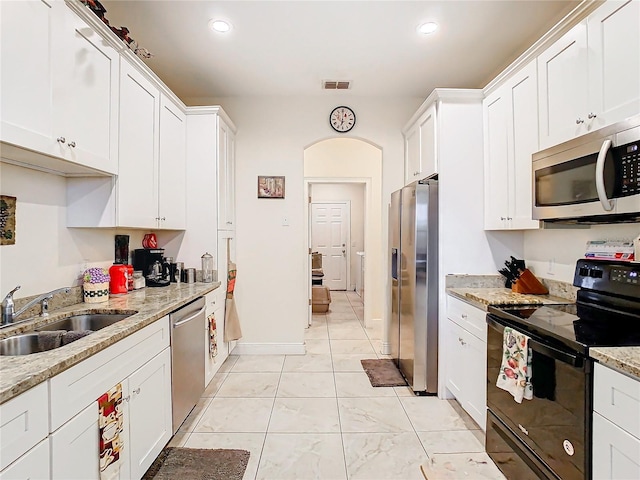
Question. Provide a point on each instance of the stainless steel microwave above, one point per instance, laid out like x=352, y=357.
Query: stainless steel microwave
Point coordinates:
x=594, y=178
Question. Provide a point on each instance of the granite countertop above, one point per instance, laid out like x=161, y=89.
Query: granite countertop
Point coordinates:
x=20, y=373
x=483, y=297
x=623, y=359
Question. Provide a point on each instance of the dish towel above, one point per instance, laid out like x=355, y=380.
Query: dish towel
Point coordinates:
x=515, y=370
x=232, y=330
x=213, y=337
x=110, y=423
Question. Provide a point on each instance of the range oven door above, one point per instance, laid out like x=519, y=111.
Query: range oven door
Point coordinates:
x=550, y=433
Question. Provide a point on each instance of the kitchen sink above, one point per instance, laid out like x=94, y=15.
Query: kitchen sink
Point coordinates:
x=33, y=342
x=87, y=321
x=20, y=344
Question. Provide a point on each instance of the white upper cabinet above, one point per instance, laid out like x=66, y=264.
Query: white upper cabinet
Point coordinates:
x=63, y=101
x=511, y=137
x=590, y=77
x=172, y=186
x=420, y=147
x=613, y=32
x=137, y=184
x=226, y=177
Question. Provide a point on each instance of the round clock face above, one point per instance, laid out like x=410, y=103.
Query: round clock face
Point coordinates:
x=342, y=119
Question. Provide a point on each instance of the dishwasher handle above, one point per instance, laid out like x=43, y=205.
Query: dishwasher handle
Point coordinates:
x=188, y=319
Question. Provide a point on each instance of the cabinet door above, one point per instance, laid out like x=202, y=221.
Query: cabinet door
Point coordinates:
x=138, y=169
x=172, y=188
x=523, y=143
x=496, y=159
x=85, y=93
x=226, y=177
x=456, y=362
x=562, y=82
x=33, y=465
x=476, y=378
x=149, y=412
x=616, y=453
x=428, y=158
x=25, y=87
x=75, y=448
x=614, y=62
x=412, y=152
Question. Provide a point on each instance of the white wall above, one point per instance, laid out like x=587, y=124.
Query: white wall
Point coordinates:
x=552, y=253
x=354, y=194
x=47, y=254
x=271, y=289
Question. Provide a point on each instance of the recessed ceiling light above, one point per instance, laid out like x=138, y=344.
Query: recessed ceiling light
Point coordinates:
x=427, y=28
x=219, y=26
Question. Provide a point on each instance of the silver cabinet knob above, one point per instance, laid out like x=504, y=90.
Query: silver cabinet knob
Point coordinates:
x=503, y=218
x=462, y=342
x=61, y=140
x=591, y=115
x=137, y=391
x=579, y=121
x=509, y=218
x=72, y=144
x=464, y=315
x=163, y=218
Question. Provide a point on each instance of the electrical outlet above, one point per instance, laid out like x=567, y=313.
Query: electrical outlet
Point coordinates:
x=551, y=267
x=285, y=221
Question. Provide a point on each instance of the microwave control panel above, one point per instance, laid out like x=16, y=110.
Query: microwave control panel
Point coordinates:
x=629, y=169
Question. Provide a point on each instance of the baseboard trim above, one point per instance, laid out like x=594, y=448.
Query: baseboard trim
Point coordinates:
x=269, y=349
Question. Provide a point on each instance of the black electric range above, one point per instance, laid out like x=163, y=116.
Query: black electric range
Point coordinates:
x=549, y=436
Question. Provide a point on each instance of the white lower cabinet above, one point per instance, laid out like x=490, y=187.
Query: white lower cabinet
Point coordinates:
x=33, y=465
x=150, y=418
x=214, y=306
x=616, y=425
x=74, y=447
x=467, y=358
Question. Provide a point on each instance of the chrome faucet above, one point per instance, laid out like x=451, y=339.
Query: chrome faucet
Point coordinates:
x=9, y=314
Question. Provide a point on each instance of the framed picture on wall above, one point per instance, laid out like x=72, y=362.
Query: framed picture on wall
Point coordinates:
x=270, y=187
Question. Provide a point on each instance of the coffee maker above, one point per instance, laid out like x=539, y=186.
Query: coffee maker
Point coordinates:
x=153, y=265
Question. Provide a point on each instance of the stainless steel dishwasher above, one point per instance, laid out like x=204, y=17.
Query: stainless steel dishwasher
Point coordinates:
x=187, y=359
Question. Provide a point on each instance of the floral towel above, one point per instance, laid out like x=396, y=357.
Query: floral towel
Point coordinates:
x=213, y=337
x=515, y=371
x=110, y=428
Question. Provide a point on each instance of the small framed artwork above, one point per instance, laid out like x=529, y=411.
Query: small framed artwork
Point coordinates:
x=270, y=187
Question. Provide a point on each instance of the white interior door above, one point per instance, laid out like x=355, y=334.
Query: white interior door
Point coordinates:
x=330, y=236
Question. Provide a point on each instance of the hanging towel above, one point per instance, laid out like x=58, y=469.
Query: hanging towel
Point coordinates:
x=232, y=330
x=213, y=336
x=515, y=370
x=110, y=424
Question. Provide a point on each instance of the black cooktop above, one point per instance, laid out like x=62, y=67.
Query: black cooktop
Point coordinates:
x=576, y=326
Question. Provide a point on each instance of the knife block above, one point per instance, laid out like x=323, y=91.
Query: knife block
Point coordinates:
x=528, y=283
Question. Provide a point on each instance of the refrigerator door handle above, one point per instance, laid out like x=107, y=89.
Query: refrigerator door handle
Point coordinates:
x=394, y=263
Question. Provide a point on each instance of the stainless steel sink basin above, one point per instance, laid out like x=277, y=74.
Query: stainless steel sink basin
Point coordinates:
x=27, y=343
x=89, y=321
x=20, y=344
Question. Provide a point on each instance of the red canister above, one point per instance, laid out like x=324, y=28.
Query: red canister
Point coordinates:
x=118, y=284
x=129, y=277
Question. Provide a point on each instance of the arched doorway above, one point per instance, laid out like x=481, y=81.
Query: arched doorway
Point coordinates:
x=347, y=161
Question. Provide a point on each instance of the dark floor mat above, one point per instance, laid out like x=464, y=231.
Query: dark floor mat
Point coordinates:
x=198, y=464
x=383, y=373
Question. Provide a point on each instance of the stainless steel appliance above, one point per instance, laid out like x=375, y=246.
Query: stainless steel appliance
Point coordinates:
x=550, y=436
x=594, y=178
x=152, y=262
x=187, y=359
x=413, y=240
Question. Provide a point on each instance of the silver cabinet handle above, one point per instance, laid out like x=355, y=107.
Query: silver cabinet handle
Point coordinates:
x=61, y=140
x=137, y=391
x=462, y=342
x=163, y=218
x=503, y=218
x=72, y=144
x=600, y=188
x=464, y=315
x=591, y=115
x=127, y=398
x=579, y=121
x=509, y=218
x=188, y=319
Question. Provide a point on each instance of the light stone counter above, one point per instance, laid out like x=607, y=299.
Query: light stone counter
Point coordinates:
x=623, y=359
x=483, y=297
x=20, y=373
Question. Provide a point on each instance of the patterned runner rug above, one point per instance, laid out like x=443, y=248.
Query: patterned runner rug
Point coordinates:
x=198, y=464
x=383, y=373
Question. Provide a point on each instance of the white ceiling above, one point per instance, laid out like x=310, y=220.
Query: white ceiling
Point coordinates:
x=289, y=47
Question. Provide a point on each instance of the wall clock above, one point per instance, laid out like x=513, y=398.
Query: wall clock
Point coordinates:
x=342, y=119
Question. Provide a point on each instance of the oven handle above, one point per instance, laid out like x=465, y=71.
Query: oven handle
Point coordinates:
x=602, y=192
x=564, y=357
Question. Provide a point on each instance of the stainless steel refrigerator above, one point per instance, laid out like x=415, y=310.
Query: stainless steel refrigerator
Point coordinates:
x=413, y=242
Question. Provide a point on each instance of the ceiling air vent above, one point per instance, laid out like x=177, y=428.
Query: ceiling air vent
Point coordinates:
x=336, y=85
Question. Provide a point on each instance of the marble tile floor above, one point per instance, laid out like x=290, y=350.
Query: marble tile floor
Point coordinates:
x=317, y=417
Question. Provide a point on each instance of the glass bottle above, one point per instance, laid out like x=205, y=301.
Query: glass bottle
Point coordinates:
x=207, y=268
